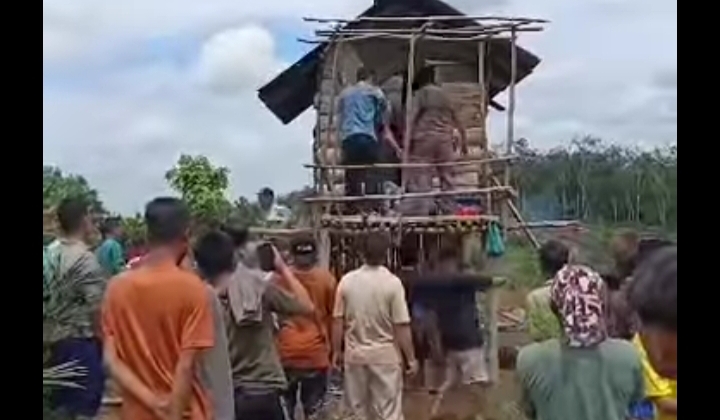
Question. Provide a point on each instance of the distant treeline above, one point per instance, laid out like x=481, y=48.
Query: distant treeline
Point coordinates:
x=598, y=183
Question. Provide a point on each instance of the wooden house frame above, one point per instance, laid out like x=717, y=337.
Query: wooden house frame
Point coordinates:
x=477, y=58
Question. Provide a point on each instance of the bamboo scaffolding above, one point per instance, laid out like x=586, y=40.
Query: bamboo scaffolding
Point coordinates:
x=422, y=18
x=469, y=162
x=408, y=107
x=483, y=110
x=429, y=194
x=359, y=219
x=431, y=31
x=407, y=37
x=556, y=224
x=333, y=93
x=279, y=231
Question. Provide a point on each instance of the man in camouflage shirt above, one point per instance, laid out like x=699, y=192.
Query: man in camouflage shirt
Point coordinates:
x=73, y=284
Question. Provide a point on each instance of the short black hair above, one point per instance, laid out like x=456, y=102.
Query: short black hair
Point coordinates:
x=214, y=254
x=653, y=289
x=71, y=214
x=239, y=235
x=553, y=255
x=267, y=191
x=375, y=249
x=424, y=77
x=167, y=220
x=364, y=73
x=109, y=225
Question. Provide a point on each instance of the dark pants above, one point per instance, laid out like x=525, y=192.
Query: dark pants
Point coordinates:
x=259, y=404
x=361, y=149
x=86, y=399
x=312, y=386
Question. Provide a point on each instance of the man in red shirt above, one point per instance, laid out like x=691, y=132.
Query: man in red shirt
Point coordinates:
x=303, y=341
x=157, y=320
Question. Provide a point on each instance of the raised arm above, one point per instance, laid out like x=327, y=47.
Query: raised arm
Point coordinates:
x=297, y=290
x=385, y=111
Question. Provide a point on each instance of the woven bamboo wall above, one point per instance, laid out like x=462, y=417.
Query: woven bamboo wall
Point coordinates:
x=465, y=96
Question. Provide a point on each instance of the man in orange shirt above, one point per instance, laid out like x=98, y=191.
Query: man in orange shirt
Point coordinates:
x=157, y=320
x=303, y=342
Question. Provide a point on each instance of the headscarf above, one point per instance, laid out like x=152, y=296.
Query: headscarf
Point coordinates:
x=578, y=294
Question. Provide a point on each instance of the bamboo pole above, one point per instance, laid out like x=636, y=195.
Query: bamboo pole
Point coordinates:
x=429, y=194
x=408, y=108
x=437, y=38
x=407, y=37
x=493, y=307
x=424, y=19
x=356, y=219
x=333, y=93
x=485, y=30
x=469, y=162
x=483, y=111
x=510, y=124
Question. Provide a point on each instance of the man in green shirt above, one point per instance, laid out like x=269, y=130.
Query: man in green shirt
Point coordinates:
x=110, y=253
x=584, y=375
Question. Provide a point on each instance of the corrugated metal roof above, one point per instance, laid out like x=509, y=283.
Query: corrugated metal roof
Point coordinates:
x=293, y=90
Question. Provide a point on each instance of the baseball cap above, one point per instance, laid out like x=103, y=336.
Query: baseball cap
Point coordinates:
x=303, y=246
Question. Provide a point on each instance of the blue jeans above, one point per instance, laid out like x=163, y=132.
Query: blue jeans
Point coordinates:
x=312, y=385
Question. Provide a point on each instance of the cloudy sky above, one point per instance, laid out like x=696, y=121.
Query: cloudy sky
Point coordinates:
x=129, y=85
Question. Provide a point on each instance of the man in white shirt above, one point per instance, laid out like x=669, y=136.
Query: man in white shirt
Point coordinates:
x=371, y=311
x=273, y=214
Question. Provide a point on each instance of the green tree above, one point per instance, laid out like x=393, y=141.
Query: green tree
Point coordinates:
x=58, y=185
x=134, y=229
x=203, y=186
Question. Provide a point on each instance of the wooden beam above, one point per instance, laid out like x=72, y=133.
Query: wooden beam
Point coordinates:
x=429, y=194
x=467, y=162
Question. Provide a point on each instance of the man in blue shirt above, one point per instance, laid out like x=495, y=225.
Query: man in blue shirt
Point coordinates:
x=363, y=113
x=110, y=253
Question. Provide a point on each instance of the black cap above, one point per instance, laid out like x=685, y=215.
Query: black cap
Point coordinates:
x=303, y=246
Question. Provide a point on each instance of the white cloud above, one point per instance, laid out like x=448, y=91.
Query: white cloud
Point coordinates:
x=238, y=58
x=609, y=69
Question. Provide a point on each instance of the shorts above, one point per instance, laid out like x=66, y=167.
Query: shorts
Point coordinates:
x=85, y=400
x=466, y=367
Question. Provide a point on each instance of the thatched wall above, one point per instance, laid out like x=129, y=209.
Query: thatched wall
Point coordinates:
x=466, y=97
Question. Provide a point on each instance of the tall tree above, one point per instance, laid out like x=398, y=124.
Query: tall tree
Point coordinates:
x=203, y=186
x=58, y=185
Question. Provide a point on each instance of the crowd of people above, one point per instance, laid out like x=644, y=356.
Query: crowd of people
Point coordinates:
x=224, y=328
x=616, y=355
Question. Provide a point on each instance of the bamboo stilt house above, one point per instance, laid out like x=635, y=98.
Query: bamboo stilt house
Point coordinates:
x=317, y=78
x=475, y=60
